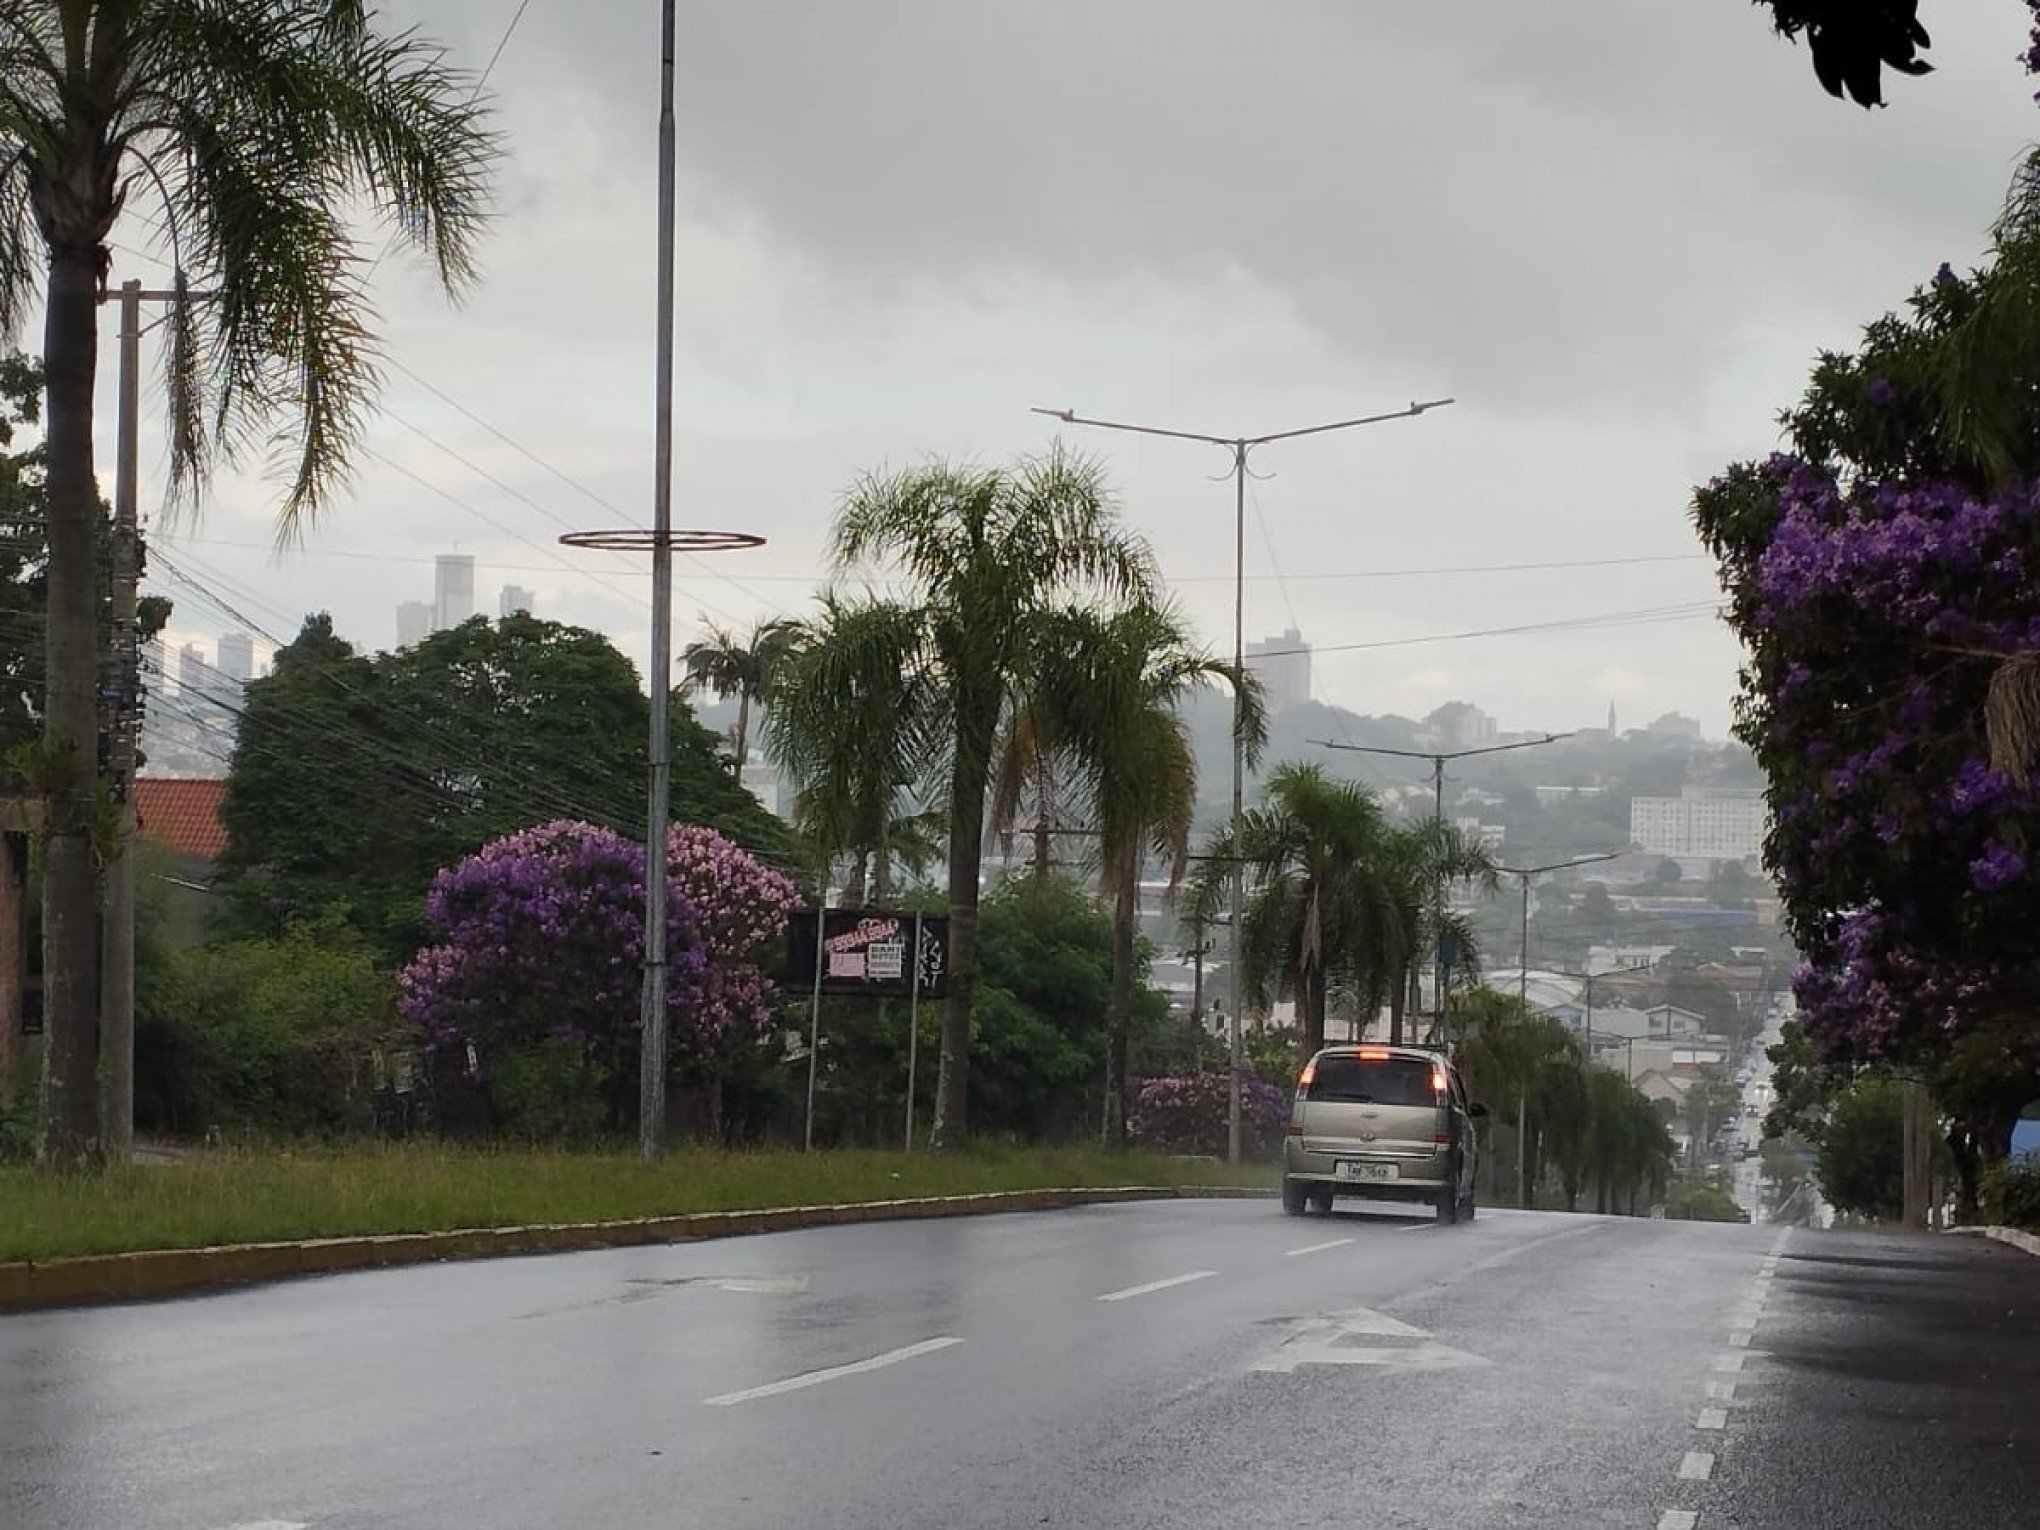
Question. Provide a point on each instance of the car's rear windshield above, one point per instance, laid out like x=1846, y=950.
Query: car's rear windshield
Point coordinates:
x=1373, y=1081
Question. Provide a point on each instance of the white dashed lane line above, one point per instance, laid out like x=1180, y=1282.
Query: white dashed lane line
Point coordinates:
x=1698, y=1466
x=1156, y=1285
x=1678, y=1519
x=1316, y=1248
x=1712, y=1418
x=833, y=1373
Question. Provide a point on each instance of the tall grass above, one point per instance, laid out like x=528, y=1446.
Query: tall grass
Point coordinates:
x=245, y=1196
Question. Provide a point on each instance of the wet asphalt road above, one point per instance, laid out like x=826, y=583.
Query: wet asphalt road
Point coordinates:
x=1182, y=1364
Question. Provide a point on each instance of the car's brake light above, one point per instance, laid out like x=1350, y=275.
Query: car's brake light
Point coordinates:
x=1309, y=1073
x=1374, y=1054
x=1440, y=1084
x=1295, y=1129
x=1443, y=1139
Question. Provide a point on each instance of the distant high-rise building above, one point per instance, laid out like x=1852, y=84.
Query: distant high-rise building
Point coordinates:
x=155, y=666
x=516, y=598
x=414, y=623
x=1705, y=823
x=453, y=590
x=1283, y=663
x=237, y=657
x=192, y=670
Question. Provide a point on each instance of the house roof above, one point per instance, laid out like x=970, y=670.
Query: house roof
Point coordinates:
x=181, y=813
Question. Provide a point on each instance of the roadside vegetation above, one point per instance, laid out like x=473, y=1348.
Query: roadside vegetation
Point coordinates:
x=226, y=1196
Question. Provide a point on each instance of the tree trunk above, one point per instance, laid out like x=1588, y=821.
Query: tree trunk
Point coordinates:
x=967, y=783
x=743, y=728
x=13, y=970
x=69, y=764
x=1315, y=986
x=1395, y=1012
x=1119, y=1015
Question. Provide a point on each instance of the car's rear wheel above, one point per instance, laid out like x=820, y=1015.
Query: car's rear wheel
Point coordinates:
x=1292, y=1196
x=1448, y=1206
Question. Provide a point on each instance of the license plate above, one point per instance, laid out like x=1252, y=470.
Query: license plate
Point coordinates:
x=1348, y=1169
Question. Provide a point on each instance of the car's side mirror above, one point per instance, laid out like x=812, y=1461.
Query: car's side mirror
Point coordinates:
x=1476, y=1110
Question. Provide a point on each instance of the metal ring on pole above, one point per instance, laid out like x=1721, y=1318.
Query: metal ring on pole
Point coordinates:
x=644, y=539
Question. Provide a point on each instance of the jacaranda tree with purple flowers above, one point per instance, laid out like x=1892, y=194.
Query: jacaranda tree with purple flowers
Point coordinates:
x=532, y=989
x=1885, y=578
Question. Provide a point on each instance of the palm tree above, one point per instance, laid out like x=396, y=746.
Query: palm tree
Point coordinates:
x=253, y=130
x=1110, y=688
x=989, y=553
x=1312, y=854
x=850, y=717
x=725, y=665
x=1418, y=861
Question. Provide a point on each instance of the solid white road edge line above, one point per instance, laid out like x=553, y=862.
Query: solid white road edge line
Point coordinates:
x=1157, y=1285
x=815, y=1378
x=1316, y=1248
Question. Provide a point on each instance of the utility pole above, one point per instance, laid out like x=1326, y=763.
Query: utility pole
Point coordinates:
x=1438, y=757
x=122, y=725
x=1239, y=447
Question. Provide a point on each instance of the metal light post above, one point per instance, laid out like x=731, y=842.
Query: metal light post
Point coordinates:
x=661, y=541
x=1438, y=757
x=1240, y=447
x=1523, y=999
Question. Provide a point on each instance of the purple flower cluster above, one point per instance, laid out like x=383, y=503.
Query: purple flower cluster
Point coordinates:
x=1878, y=612
x=542, y=936
x=1189, y=1113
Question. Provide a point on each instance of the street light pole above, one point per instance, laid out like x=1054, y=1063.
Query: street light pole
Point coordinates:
x=1523, y=999
x=1438, y=757
x=1240, y=447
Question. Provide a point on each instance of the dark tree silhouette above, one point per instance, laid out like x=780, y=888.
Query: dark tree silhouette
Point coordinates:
x=1854, y=41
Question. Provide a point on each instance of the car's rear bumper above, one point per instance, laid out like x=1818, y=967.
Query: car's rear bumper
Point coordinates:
x=1413, y=1177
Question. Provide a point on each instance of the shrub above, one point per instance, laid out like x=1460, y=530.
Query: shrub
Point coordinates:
x=264, y=1036
x=2011, y=1193
x=1189, y=1114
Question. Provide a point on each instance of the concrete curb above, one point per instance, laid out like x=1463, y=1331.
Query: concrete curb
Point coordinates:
x=171, y=1272
x=2019, y=1240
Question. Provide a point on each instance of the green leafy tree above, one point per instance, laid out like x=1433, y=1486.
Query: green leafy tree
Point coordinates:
x=249, y=134
x=355, y=779
x=1861, y=1156
x=724, y=665
x=986, y=554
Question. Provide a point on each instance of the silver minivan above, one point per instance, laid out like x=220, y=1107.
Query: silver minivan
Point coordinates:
x=1385, y=1122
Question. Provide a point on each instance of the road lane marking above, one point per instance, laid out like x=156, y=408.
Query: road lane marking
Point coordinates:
x=272, y=1524
x=1721, y=1391
x=816, y=1378
x=1420, y=1227
x=1713, y=1418
x=1156, y=1285
x=1325, y=1341
x=1678, y=1519
x=1728, y=1362
x=1316, y=1248
x=1740, y=1339
x=1697, y=1467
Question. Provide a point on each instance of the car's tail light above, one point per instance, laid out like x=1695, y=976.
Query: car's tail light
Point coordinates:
x=1296, y=1128
x=1443, y=1139
x=1440, y=1084
x=1374, y=1054
x=1309, y=1072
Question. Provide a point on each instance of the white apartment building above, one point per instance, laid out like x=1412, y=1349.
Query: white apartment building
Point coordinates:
x=1703, y=823
x=1283, y=664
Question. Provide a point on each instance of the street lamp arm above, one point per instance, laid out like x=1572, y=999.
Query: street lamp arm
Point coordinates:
x=1071, y=417
x=1444, y=754
x=1537, y=871
x=1410, y=413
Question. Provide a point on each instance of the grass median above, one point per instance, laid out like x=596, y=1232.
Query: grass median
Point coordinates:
x=260, y=1196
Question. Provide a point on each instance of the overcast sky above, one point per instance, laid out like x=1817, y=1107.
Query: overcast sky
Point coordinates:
x=1616, y=231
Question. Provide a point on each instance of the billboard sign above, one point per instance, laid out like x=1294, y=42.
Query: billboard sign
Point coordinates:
x=870, y=951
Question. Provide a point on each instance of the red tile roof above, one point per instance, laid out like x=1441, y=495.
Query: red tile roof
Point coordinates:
x=181, y=812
